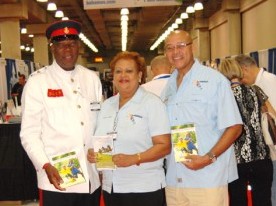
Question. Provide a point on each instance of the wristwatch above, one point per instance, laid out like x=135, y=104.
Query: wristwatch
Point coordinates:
x=212, y=156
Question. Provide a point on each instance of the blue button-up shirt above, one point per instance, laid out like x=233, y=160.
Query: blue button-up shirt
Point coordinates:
x=141, y=118
x=205, y=99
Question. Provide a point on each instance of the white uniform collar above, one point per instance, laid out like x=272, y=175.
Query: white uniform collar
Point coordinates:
x=160, y=75
x=259, y=76
x=63, y=72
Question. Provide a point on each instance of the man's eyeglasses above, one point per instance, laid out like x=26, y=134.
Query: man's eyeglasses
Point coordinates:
x=178, y=46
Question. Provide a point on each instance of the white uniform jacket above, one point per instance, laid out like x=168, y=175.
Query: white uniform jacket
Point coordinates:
x=57, y=119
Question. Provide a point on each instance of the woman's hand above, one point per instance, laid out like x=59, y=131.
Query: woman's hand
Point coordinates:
x=123, y=160
x=91, y=156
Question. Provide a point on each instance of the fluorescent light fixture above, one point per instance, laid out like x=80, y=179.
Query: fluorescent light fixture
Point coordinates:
x=51, y=7
x=59, y=14
x=178, y=21
x=190, y=9
x=23, y=31
x=198, y=6
x=124, y=18
x=184, y=15
x=124, y=11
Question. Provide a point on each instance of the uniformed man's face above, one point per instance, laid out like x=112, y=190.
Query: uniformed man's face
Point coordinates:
x=66, y=53
x=126, y=76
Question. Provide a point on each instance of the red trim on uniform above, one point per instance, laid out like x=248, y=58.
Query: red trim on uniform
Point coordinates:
x=64, y=31
x=40, y=194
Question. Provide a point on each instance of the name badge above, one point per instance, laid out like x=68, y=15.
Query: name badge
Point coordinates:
x=95, y=106
x=113, y=134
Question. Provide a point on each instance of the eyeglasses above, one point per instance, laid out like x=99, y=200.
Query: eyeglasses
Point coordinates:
x=178, y=46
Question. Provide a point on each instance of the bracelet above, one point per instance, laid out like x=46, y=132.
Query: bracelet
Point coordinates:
x=139, y=159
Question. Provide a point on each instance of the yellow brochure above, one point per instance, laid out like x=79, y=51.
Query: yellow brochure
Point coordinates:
x=184, y=141
x=69, y=169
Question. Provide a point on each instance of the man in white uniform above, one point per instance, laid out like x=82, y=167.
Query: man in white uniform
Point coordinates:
x=161, y=69
x=252, y=74
x=60, y=104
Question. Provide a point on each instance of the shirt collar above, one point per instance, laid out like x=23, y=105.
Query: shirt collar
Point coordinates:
x=259, y=76
x=160, y=76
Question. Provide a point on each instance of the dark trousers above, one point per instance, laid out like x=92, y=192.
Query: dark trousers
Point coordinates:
x=49, y=198
x=259, y=175
x=155, y=198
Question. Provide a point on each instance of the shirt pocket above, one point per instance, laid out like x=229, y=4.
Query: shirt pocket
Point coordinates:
x=193, y=108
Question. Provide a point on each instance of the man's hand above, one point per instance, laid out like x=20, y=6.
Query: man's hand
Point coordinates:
x=196, y=162
x=123, y=160
x=54, y=177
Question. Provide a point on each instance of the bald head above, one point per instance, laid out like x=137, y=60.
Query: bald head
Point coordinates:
x=181, y=33
x=160, y=65
x=179, y=50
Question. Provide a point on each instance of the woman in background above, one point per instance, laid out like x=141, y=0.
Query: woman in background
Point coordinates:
x=252, y=153
x=140, y=122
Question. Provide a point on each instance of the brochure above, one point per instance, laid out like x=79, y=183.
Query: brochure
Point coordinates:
x=184, y=141
x=104, y=149
x=69, y=169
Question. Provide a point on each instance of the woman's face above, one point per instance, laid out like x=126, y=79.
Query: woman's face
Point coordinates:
x=126, y=76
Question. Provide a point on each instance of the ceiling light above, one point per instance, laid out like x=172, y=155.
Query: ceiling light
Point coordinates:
x=59, y=14
x=190, y=9
x=31, y=35
x=184, y=15
x=32, y=49
x=23, y=31
x=124, y=11
x=64, y=18
x=41, y=0
x=22, y=47
x=124, y=18
x=178, y=21
x=51, y=7
x=27, y=48
x=198, y=6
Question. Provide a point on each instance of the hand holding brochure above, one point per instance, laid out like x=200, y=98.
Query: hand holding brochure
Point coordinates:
x=104, y=149
x=184, y=141
x=69, y=169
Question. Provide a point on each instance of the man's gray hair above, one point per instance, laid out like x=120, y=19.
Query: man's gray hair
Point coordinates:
x=245, y=60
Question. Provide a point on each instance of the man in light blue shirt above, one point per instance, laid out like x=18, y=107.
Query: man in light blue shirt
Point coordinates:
x=201, y=96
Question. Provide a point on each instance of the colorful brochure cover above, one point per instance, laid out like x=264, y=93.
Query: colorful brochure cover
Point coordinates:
x=69, y=169
x=184, y=141
x=104, y=149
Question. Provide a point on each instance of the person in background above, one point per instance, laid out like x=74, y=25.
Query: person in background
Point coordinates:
x=60, y=105
x=161, y=69
x=252, y=74
x=252, y=153
x=140, y=122
x=200, y=96
x=17, y=89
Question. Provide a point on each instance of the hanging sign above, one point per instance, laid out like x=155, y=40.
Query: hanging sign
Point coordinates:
x=107, y=4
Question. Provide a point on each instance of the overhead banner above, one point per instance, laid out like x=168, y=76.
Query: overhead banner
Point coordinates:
x=108, y=4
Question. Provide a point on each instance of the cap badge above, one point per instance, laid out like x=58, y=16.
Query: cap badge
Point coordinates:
x=66, y=30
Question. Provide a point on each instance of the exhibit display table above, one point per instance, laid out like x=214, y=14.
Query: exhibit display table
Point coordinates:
x=17, y=174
